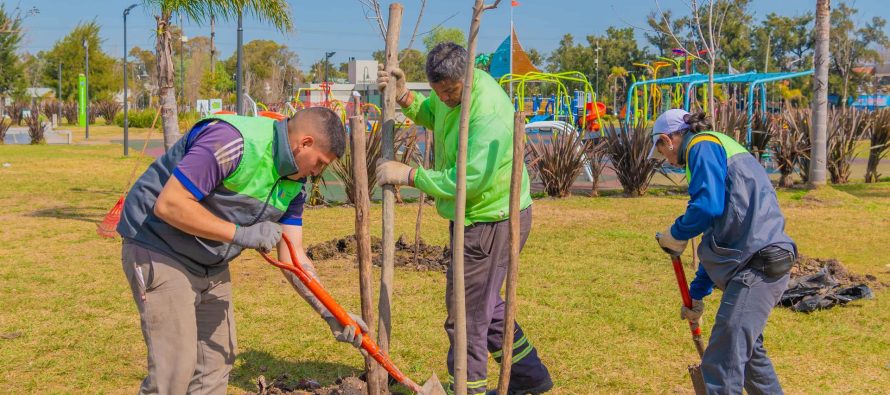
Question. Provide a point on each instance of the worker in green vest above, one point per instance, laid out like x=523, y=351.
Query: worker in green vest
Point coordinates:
x=744, y=249
x=231, y=183
x=486, y=237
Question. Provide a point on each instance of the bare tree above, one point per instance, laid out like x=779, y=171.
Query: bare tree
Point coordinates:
x=707, y=30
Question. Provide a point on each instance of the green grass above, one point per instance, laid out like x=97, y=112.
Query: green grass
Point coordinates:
x=596, y=295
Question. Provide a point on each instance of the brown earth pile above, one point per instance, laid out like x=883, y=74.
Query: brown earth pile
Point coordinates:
x=279, y=386
x=806, y=266
x=429, y=257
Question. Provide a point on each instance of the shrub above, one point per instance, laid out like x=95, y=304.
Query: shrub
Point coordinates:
x=596, y=162
x=70, y=111
x=35, y=127
x=799, y=120
x=559, y=161
x=845, y=128
x=138, y=118
x=5, y=124
x=628, y=149
x=108, y=109
x=880, y=143
x=791, y=144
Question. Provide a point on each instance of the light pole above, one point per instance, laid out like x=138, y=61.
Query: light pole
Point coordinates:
x=59, y=109
x=126, y=103
x=597, y=68
x=327, y=57
x=86, y=47
x=238, y=93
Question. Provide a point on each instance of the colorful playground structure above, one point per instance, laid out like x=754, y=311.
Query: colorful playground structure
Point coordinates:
x=579, y=108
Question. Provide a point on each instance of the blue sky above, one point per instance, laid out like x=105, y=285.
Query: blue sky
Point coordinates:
x=340, y=25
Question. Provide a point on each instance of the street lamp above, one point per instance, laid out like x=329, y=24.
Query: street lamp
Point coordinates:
x=59, y=109
x=598, y=69
x=238, y=93
x=126, y=103
x=182, y=41
x=86, y=47
x=327, y=56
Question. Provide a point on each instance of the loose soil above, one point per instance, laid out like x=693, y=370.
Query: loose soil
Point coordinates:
x=279, y=386
x=806, y=266
x=429, y=257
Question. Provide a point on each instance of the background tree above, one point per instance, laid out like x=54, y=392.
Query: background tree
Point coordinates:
x=851, y=46
x=267, y=66
x=10, y=68
x=105, y=78
x=443, y=34
x=277, y=12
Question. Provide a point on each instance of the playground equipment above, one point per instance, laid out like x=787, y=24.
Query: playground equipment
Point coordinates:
x=752, y=81
x=561, y=106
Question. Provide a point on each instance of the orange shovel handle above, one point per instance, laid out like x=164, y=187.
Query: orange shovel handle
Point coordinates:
x=687, y=301
x=339, y=313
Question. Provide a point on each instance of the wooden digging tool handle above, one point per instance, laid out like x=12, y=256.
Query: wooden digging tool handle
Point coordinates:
x=687, y=301
x=339, y=313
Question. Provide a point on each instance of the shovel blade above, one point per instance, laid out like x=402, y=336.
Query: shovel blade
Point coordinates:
x=698, y=380
x=432, y=387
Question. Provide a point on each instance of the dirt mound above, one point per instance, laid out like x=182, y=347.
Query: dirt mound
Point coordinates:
x=279, y=386
x=806, y=266
x=429, y=257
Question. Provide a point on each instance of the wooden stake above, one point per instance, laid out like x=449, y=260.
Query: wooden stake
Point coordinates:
x=394, y=26
x=515, y=246
x=428, y=136
x=363, y=233
x=458, y=301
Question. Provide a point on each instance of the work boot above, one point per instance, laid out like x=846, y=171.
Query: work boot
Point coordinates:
x=541, y=388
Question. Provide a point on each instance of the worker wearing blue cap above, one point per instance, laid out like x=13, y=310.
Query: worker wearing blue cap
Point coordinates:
x=744, y=249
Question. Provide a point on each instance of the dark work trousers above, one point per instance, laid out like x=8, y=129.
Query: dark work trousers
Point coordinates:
x=486, y=256
x=735, y=357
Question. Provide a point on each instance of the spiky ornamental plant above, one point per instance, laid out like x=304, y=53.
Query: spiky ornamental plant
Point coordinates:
x=406, y=152
x=69, y=111
x=559, y=161
x=731, y=121
x=798, y=120
x=791, y=145
x=35, y=127
x=763, y=128
x=880, y=143
x=845, y=128
x=628, y=149
x=596, y=162
x=5, y=124
x=108, y=109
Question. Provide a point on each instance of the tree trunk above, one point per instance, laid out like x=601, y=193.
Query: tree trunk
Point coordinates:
x=819, y=131
x=166, y=80
x=711, y=108
x=363, y=236
x=387, y=268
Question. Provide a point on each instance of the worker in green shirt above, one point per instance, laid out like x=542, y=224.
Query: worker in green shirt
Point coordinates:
x=486, y=237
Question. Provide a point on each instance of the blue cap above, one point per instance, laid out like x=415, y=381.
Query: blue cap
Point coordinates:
x=668, y=122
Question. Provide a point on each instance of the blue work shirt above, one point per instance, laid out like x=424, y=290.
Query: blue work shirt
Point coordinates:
x=707, y=191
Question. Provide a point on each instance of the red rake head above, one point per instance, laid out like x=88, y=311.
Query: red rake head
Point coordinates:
x=108, y=226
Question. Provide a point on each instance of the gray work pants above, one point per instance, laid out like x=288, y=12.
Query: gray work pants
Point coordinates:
x=735, y=357
x=187, y=323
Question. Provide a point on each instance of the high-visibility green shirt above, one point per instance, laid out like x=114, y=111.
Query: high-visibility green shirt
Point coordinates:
x=489, y=152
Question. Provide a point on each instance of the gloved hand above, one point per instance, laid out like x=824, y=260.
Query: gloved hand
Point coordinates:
x=669, y=244
x=263, y=236
x=384, y=79
x=347, y=334
x=393, y=172
x=693, y=314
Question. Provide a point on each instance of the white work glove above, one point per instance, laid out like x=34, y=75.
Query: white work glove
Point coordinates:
x=384, y=80
x=669, y=244
x=693, y=314
x=390, y=172
x=263, y=236
x=347, y=334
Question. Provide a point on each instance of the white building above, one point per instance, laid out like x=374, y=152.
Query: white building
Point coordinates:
x=361, y=77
